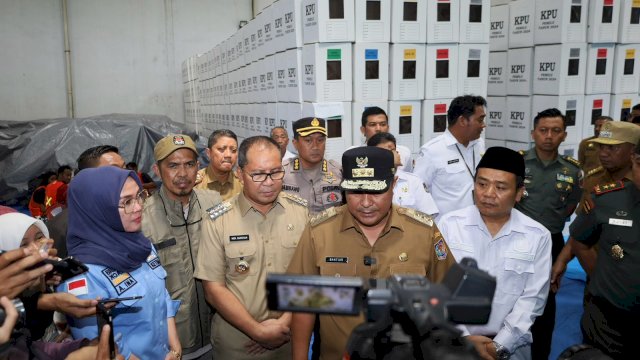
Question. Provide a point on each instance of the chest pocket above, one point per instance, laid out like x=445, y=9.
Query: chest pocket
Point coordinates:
x=400, y=269
x=241, y=259
x=338, y=269
x=170, y=256
x=512, y=279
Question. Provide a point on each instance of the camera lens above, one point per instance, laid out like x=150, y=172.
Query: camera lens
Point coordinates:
x=17, y=303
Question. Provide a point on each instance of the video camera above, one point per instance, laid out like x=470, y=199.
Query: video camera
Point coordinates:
x=407, y=317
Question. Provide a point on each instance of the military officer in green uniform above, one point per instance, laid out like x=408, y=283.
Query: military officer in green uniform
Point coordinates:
x=310, y=175
x=611, y=225
x=588, y=151
x=552, y=191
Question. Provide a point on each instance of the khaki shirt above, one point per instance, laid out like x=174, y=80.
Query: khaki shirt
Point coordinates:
x=207, y=181
x=333, y=245
x=177, y=245
x=589, y=154
x=238, y=234
x=319, y=186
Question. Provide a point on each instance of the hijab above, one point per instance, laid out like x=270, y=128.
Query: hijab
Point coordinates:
x=13, y=226
x=95, y=234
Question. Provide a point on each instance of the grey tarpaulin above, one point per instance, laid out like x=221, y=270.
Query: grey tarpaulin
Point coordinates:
x=27, y=149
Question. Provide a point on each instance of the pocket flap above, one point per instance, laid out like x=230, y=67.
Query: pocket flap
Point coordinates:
x=403, y=269
x=518, y=266
x=240, y=250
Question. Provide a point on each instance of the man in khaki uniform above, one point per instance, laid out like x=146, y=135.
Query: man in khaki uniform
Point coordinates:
x=222, y=151
x=588, y=151
x=368, y=237
x=309, y=175
x=172, y=219
x=253, y=233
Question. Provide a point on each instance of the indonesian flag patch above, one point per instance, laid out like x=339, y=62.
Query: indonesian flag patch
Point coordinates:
x=78, y=287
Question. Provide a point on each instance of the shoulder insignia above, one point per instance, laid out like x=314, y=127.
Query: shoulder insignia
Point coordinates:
x=216, y=211
x=295, y=198
x=572, y=160
x=588, y=205
x=605, y=188
x=522, y=152
x=417, y=215
x=120, y=281
x=323, y=216
x=594, y=171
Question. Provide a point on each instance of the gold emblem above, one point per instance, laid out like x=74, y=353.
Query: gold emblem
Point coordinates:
x=242, y=267
x=315, y=122
x=403, y=257
x=590, y=145
x=362, y=162
x=617, y=252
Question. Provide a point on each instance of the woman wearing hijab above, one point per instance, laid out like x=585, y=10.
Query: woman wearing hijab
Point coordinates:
x=105, y=219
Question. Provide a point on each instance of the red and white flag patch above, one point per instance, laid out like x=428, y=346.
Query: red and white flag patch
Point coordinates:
x=78, y=287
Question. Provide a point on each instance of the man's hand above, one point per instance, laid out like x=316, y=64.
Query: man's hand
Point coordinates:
x=15, y=275
x=272, y=334
x=484, y=346
x=11, y=316
x=98, y=349
x=557, y=271
x=68, y=304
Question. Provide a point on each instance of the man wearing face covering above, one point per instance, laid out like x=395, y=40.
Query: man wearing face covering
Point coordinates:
x=104, y=233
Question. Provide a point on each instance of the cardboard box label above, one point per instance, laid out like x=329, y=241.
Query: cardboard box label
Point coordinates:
x=405, y=110
x=410, y=54
x=440, y=108
x=597, y=104
x=602, y=53
x=626, y=103
x=334, y=54
x=442, y=54
x=630, y=53
x=371, y=54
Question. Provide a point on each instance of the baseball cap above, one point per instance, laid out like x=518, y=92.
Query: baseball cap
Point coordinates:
x=368, y=169
x=171, y=143
x=618, y=132
x=501, y=158
x=309, y=125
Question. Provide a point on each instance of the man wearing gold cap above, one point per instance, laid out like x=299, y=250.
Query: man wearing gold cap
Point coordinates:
x=310, y=175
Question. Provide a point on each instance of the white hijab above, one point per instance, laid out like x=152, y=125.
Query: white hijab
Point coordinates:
x=13, y=226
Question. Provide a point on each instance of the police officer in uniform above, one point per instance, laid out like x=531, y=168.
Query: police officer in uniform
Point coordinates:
x=172, y=219
x=310, y=175
x=552, y=191
x=612, y=312
x=251, y=234
x=588, y=151
x=368, y=237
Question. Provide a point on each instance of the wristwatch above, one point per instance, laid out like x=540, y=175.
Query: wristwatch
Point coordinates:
x=501, y=352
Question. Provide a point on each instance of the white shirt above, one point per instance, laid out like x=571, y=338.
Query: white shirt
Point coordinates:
x=519, y=256
x=405, y=157
x=447, y=168
x=410, y=192
x=288, y=155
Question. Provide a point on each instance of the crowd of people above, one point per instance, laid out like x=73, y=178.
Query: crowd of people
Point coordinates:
x=180, y=266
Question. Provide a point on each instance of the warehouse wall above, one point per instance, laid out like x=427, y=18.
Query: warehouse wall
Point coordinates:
x=126, y=55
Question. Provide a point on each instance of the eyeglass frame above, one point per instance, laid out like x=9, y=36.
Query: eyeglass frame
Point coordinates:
x=140, y=198
x=267, y=175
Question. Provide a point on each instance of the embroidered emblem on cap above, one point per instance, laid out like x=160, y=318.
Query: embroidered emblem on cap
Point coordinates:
x=178, y=140
x=362, y=162
x=315, y=122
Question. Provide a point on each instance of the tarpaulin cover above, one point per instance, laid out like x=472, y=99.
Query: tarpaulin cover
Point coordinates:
x=29, y=148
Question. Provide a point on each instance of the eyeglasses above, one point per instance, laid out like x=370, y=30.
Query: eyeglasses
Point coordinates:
x=129, y=204
x=260, y=177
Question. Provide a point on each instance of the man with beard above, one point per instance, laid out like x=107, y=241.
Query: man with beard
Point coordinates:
x=310, y=175
x=222, y=151
x=172, y=219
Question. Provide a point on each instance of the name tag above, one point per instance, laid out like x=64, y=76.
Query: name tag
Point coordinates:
x=239, y=238
x=565, y=178
x=621, y=222
x=453, y=161
x=336, y=259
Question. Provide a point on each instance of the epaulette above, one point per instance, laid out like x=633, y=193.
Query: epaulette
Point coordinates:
x=295, y=198
x=417, y=215
x=588, y=205
x=605, y=188
x=522, y=152
x=323, y=216
x=216, y=211
x=572, y=160
x=594, y=171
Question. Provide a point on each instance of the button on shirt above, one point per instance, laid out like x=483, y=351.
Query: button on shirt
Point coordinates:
x=519, y=256
x=410, y=192
x=448, y=174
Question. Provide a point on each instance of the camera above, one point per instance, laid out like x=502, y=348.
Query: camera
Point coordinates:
x=17, y=303
x=407, y=317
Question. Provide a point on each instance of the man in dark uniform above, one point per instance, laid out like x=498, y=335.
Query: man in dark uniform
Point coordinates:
x=588, y=151
x=552, y=191
x=368, y=237
x=612, y=312
x=310, y=175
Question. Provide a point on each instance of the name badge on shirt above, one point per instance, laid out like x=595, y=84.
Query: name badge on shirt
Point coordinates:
x=620, y=222
x=239, y=238
x=453, y=161
x=121, y=282
x=564, y=178
x=336, y=259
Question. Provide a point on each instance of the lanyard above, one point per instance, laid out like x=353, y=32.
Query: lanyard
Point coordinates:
x=465, y=161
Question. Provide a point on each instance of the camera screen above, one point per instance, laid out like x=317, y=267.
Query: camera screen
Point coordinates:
x=314, y=294
x=373, y=10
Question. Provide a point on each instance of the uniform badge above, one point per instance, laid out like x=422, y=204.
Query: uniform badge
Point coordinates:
x=153, y=261
x=621, y=213
x=329, y=178
x=332, y=197
x=617, y=252
x=121, y=282
x=290, y=227
x=403, y=257
x=405, y=189
x=315, y=122
x=441, y=250
x=178, y=140
x=78, y=287
x=362, y=162
x=242, y=267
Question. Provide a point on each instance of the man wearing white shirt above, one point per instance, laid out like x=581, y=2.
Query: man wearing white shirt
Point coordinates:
x=280, y=135
x=447, y=163
x=510, y=246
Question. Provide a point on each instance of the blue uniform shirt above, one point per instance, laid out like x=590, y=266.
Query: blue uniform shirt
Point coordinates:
x=143, y=322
